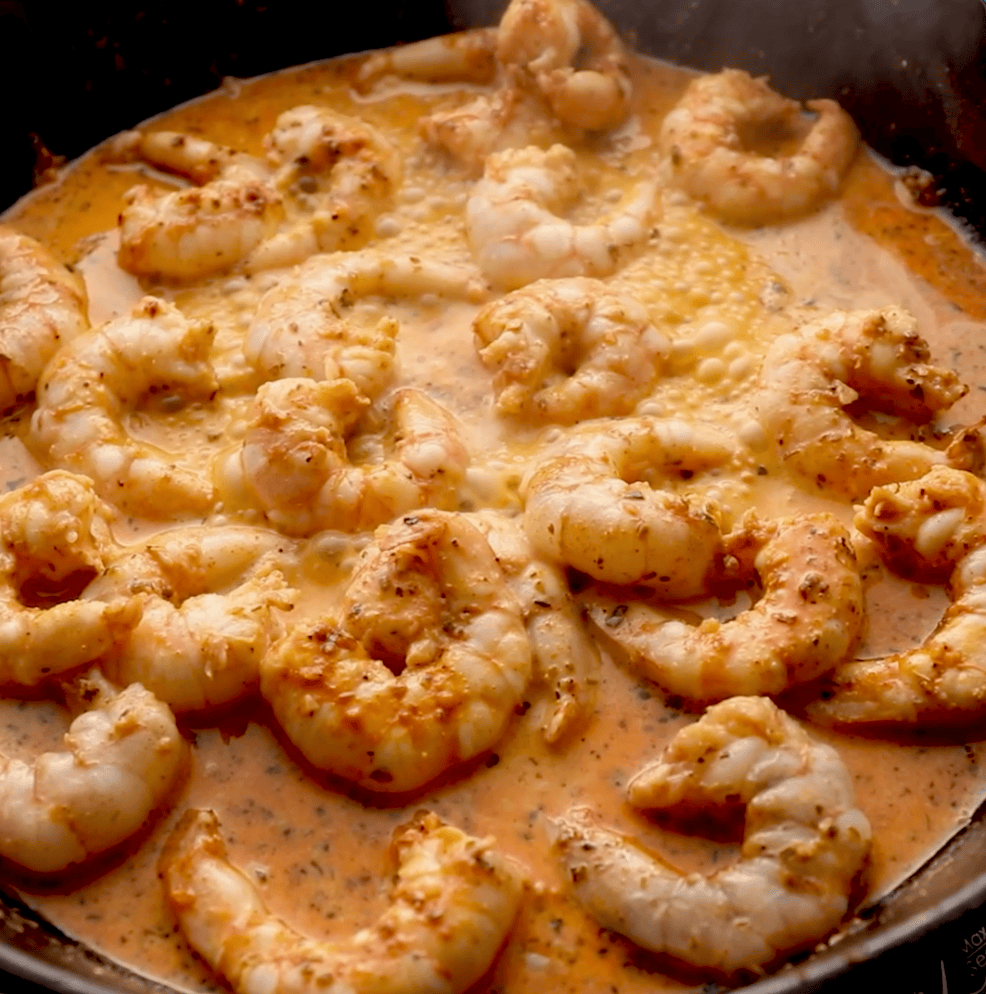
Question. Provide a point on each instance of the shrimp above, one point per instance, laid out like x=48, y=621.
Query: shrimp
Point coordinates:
x=465, y=56
x=930, y=529
x=708, y=136
x=199, y=231
x=421, y=666
x=805, y=844
x=208, y=598
x=301, y=326
x=123, y=757
x=452, y=905
x=565, y=660
x=294, y=462
x=572, y=57
x=589, y=506
x=807, y=621
x=517, y=235
x=54, y=536
x=323, y=178
x=42, y=304
x=568, y=350
x=96, y=379
x=807, y=380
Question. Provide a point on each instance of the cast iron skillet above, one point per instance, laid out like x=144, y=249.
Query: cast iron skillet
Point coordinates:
x=911, y=72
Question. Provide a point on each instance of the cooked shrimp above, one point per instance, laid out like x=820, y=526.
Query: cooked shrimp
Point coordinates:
x=706, y=138
x=566, y=661
x=295, y=465
x=336, y=173
x=195, y=232
x=42, y=305
x=209, y=600
x=123, y=757
x=453, y=902
x=301, y=326
x=930, y=529
x=588, y=504
x=515, y=230
x=420, y=668
x=89, y=387
x=805, y=843
x=54, y=536
x=465, y=56
x=807, y=620
x=572, y=56
x=568, y=350
x=808, y=378
x=324, y=178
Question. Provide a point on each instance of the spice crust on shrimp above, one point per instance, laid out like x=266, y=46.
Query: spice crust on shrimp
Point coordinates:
x=930, y=529
x=703, y=138
x=807, y=620
x=877, y=356
x=42, y=305
x=123, y=757
x=453, y=902
x=420, y=668
x=805, y=844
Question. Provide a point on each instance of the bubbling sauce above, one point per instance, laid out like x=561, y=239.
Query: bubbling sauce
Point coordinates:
x=319, y=854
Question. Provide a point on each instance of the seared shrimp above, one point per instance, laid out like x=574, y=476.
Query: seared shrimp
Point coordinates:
x=517, y=235
x=465, y=56
x=324, y=178
x=588, y=504
x=808, y=378
x=566, y=661
x=54, y=535
x=209, y=600
x=301, y=326
x=930, y=529
x=123, y=756
x=294, y=463
x=572, y=56
x=42, y=305
x=421, y=667
x=453, y=902
x=805, y=843
x=704, y=138
x=807, y=620
x=568, y=350
x=89, y=387
x=195, y=232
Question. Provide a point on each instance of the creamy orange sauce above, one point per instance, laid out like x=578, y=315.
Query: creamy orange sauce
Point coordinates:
x=319, y=854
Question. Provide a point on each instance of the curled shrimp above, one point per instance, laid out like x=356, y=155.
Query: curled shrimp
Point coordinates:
x=804, y=845
x=123, y=757
x=301, y=326
x=589, y=504
x=420, y=668
x=930, y=529
x=42, y=305
x=54, y=536
x=569, y=350
x=324, y=178
x=807, y=620
x=208, y=598
x=808, y=378
x=464, y=56
x=705, y=138
x=98, y=378
x=201, y=230
x=565, y=661
x=294, y=462
x=516, y=231
x=453, y=902
x=573, y=58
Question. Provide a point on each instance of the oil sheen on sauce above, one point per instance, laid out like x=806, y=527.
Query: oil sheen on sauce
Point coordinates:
x=318, y=854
